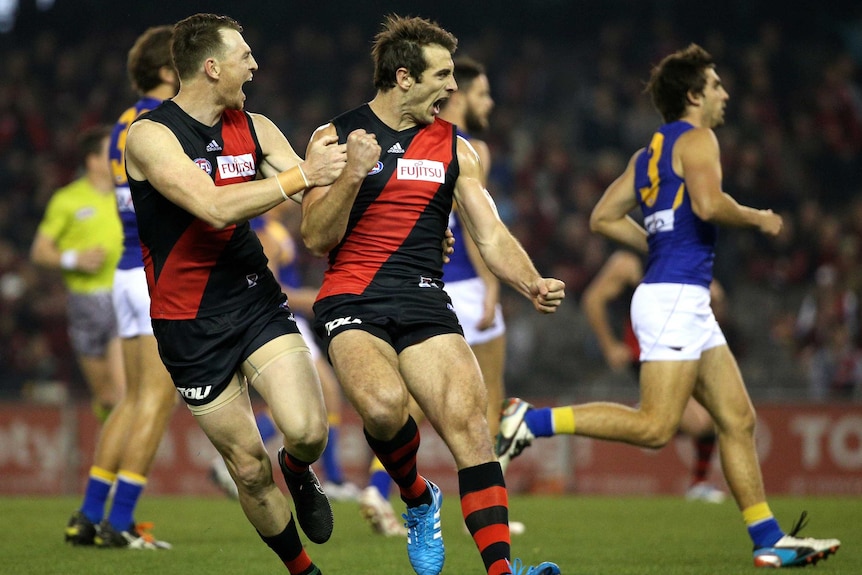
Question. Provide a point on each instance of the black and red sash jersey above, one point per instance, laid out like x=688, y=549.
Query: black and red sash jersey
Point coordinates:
x=193, y=269
x=399, y=217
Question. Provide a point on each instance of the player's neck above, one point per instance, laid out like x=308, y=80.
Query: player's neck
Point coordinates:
x=389, y=111
x=200, y=106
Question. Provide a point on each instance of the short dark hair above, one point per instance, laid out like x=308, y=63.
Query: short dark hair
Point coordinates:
x=150, y=52
x=196, y=38
x=399, y=44
x=675, y=76
x=90, y=141
x=466, y=70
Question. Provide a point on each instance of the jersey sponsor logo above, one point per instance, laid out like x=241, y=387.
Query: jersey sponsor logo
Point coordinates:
x=124, y=199
x=337, y=323
x=396, y=149
x=660, y=221
x=236, y=166
x=205, y=165
x=378, y=167
x=423, y=170
x=213, y=147
x=251, y=280
x=195, y=392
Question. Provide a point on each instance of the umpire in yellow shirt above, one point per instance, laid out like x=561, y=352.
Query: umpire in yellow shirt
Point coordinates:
x=81, y=235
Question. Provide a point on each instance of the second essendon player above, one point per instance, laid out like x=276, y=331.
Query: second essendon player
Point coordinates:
x=389, y=326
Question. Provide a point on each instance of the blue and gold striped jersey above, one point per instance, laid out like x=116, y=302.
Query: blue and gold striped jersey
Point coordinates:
x=681, y=245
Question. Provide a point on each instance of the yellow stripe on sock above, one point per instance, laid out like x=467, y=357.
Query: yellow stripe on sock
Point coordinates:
x=376, y=465
x=756, y=513
x=102, y=474
x=334, y=419
x=131, y=477
x=563, y=419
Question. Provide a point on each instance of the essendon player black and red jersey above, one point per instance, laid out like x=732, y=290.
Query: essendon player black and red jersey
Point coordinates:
x=399, y=217
x=195, y=270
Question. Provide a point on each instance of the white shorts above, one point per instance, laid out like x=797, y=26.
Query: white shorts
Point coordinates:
x=674, y=322
x=468, y=298
x=308, y=336
x=132, y=303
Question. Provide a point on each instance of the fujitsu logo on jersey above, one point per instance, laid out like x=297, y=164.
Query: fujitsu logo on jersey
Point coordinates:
x=424, y=170
x=236, y=166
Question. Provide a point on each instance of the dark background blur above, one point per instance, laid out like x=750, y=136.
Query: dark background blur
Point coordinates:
x=567, y=78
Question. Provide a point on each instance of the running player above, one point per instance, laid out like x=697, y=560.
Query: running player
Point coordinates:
x=389, y=326
x=676, y=181
x=129, y=440
x=195, y=167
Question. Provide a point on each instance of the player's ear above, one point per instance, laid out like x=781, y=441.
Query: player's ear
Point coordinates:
x=403, y=78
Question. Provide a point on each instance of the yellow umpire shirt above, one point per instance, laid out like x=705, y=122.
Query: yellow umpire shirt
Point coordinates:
x=79, y=217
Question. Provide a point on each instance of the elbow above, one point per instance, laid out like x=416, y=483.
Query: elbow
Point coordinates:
x=598, y=225
x=316, y=249
x=216, y=218
x=315, y=243
x=705, y=211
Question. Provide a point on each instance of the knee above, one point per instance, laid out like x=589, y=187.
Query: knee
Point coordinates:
x=742, y=424
x=656, y=434
x=383, y=417
x=252, y=474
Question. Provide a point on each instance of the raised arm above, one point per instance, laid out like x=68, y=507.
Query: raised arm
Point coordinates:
x=503, y=254
x=326, y=209
x=323, y=163
x=154, y=154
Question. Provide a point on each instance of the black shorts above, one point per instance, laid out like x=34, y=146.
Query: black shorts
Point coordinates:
x=202, y=355
x=401, y=314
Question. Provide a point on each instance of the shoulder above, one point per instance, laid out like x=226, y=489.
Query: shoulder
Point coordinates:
x=698, y=138
x=146, y=131
x=468, y=158
x=324, y=130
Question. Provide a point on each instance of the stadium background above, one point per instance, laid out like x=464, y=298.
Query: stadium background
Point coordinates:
x=567, y=78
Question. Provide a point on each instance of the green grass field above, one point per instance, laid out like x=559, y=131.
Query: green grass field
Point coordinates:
x=589, y=535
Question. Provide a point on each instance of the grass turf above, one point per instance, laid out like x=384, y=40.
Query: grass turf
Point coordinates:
x=590, y=535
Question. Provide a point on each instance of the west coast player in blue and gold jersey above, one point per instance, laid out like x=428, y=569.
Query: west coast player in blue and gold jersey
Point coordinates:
x=676, y=182
x=129, y=439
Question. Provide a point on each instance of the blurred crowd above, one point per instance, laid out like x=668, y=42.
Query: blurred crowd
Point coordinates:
x=569, y=113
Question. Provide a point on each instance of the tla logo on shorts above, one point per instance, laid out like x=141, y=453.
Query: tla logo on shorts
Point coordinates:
x=235, y=166
x=336, y=323
x=195, y=392
x=424, y=170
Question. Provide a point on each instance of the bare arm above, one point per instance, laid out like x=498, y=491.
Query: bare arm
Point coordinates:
x=44, y=252
x=700, y=165
x=622, y=270
x=492, y=283
x=154, y=154
x=610, y=216
x=503, y=254
x=326, y=209
x=324, y=161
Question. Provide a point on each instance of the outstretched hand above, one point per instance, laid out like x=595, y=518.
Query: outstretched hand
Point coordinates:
x=548, y=294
